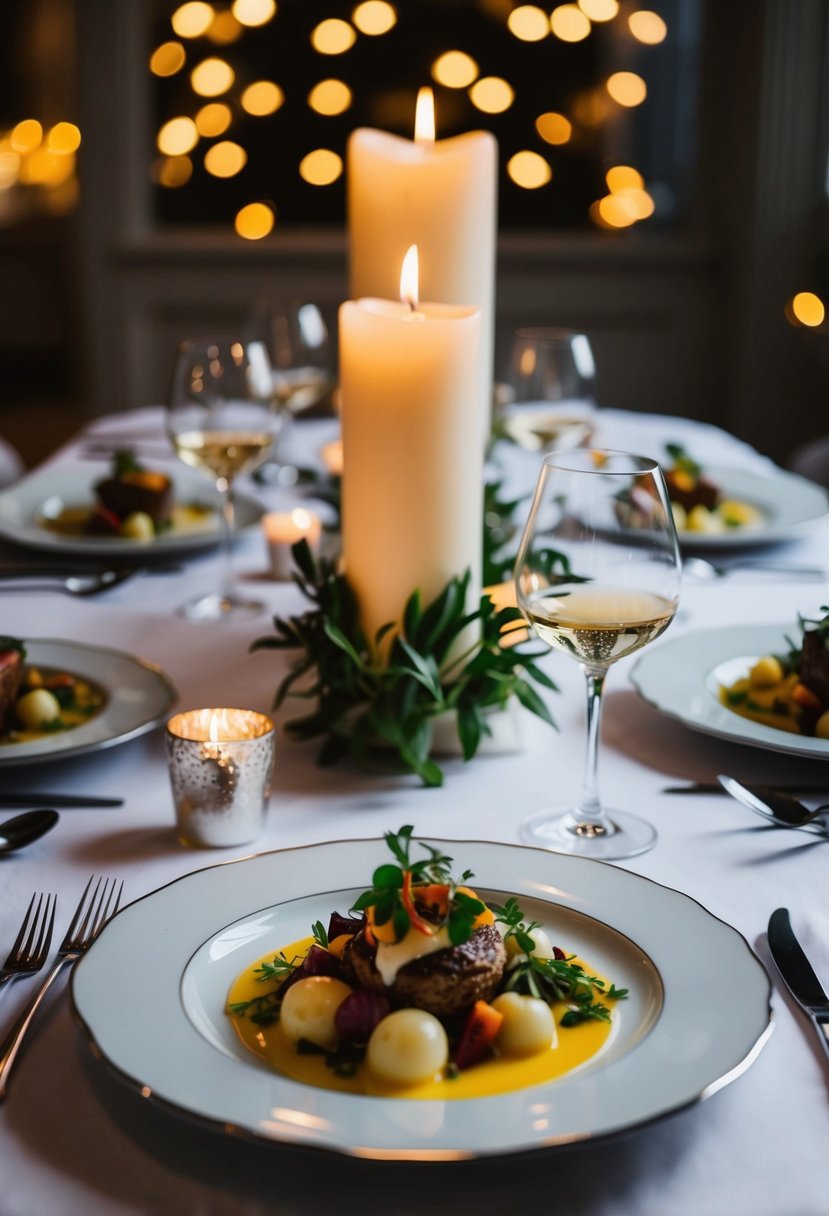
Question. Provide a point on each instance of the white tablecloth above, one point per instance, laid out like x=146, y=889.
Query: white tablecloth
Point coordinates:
x=75, y=1140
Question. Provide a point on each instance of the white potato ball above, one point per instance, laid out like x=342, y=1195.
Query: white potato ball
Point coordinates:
x=138, y=526
x=528, y=1026
x=309, y=1007
x=37, y=708
x=543, y=946
x=766, y=672
x=408, y=1047
x=822, y=726
x=680, y=516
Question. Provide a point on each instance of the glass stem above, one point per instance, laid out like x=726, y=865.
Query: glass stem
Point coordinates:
x=589, y=813
x=228, y=527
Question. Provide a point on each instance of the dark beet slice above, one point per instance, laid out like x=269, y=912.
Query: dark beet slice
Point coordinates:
x=339, y=925
x=359, y=1014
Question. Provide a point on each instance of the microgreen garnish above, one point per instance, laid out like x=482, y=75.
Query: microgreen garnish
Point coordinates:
x=551, y=979
x=278, y=969
x=320, y=935
x=262, y=1010
x=393, y=896
x=682, y=461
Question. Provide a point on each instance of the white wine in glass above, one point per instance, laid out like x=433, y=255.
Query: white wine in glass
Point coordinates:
x=597, y=576
x=221, y=421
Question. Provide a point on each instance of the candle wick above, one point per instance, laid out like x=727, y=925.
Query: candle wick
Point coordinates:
x=412, y=305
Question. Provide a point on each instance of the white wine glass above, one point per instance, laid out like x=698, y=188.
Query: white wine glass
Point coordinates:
x=549, y=397
x=301, y=353
x=597, y=576
x=221, y=421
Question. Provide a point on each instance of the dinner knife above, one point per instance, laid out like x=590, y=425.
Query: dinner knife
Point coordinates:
x=797, y=971
x=62, y=800
x=713, y=787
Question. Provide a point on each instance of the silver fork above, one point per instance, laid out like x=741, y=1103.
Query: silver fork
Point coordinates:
x=31, y=946
x=97, y=905
x=72, y=584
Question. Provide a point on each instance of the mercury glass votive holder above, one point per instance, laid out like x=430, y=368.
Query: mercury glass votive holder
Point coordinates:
x=221, y=766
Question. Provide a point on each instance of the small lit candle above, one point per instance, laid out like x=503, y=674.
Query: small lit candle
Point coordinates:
x=332, y=457
x=284, y=529
x=221, y=764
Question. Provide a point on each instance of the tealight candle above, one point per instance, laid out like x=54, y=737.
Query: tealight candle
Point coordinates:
x=221, y=765
x=332, y=457
x=284, y=529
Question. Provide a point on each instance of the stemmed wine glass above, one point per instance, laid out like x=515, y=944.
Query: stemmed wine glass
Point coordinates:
x=221, y=421
x=550, y=389
x=300, y=350
x=597, y=576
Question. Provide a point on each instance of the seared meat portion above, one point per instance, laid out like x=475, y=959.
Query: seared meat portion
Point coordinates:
x=149, y=492
x=11, y=677
x=702, y=492
x=446, y=983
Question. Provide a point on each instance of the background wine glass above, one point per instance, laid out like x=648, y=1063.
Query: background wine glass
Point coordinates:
x=549, y=396
x=221, y=421
x=597, y=576
x=302, y=358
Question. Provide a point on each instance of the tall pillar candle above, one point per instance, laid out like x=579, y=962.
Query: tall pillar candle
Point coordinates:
x=440, y=196
x=412, y=497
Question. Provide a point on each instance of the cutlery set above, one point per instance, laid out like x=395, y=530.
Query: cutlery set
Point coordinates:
x=73, y=581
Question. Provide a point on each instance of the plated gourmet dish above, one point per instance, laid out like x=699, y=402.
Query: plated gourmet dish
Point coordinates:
x=133, y=503
x=788, y=691
x=39, y=701
x=699, y=503
x=422, y=990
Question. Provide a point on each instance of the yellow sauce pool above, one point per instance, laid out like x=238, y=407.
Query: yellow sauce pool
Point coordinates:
x=90, y=701
x=762, y=704
x=74, y=521
x=576, y=1045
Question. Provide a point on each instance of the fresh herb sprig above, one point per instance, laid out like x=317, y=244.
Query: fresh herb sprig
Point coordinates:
x=362, y=702
x=394, y=890
x=552, y=979
x=264, y=1010
x=682, y=461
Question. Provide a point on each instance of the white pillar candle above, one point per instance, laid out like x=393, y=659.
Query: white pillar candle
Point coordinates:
x=440, y=196
x=412, y=502
x=284, y=529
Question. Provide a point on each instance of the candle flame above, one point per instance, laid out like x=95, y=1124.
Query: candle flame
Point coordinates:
x=301, y=518
x=425, y=117
x=410, y=278
x=213, y=728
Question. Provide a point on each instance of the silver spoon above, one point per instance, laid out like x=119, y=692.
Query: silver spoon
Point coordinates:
x=705, y=571
x=775, y=806
x=23, y=829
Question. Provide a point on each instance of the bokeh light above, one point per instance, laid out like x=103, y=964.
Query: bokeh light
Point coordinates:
x=374, y=17
x=332, y=37
x=254, y=221
x=569, y=23
x=44, y=168
x=26, y=135
x=808, y=308
x=599, y=10
x=627, y=88
x=253, y=12
x=9, y=166
x=529, y=23
x=225, y=29
x=647, y=27
x=554, y=127
x=330, y=97
x=262, y=97
x=212, y=77
x=529, y=170
x=64, y=137
x=615, y=212
x=492, y=94
x=623, y=177
x=320, y=167
x=225, y=159
x=213, y=119
x=192, y=20
x=454, y=69
x=174, y=171
x=167, y=59
x=177, y=136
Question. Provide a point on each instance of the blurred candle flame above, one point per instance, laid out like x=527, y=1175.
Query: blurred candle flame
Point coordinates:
x=409, y=278
x=425, y=117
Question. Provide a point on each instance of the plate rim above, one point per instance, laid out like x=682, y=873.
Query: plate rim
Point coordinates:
x=135, y=732
x=112, y=547
x=742, y=730
x=240, y=1130
x=755, y=537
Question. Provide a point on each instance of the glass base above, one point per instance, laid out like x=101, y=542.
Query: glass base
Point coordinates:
x=562, y=832
x=219, y=608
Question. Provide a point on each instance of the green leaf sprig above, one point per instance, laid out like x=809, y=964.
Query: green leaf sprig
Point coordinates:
x=393, y=893
x=361, y=702
x=264, y=1010
x=552, y=979
x=682, y=462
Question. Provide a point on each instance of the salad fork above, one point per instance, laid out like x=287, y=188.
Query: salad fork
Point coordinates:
x=97, y=904
x=31, y=946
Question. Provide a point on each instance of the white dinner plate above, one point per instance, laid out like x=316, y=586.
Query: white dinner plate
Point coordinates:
x=160, y=1022
x=139, y=696
x=25, y=504
x=682, y=678
x=789, y=504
